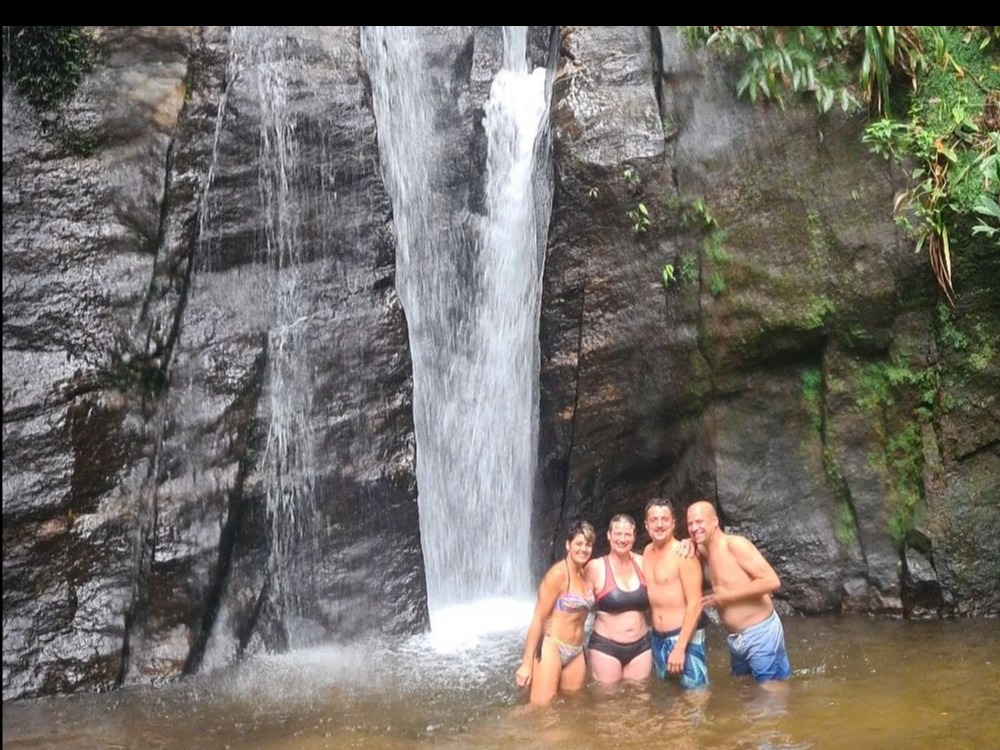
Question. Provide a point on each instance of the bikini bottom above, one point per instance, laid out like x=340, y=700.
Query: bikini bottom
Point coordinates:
x=623, y=652
x=567, y=651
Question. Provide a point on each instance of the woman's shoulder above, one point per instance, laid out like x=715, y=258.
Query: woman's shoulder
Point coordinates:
x=594, y=572
x=558, y=573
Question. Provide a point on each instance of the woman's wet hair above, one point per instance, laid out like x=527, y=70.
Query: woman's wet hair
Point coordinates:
x=581, y=527
x=622, y=518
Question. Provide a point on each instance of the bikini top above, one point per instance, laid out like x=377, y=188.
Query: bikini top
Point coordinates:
x=572, y=602
x=613, y=599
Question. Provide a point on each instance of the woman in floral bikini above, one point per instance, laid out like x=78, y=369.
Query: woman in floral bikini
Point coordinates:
x=553, y=650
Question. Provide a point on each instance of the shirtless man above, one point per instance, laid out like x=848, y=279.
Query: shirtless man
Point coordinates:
x=742, y=584
x=673, y=580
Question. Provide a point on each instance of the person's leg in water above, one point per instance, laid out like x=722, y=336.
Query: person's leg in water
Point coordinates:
x=611, y=662
x=604, y=664
x=552, y=662
x=574, y=673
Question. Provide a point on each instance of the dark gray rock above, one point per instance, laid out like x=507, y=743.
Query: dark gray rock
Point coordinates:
x=142, y=333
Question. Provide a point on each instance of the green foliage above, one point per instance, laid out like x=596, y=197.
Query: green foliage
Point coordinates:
x=817, y=238
x=951, y=136
x=638, y=215
x=812, y=394
x=715, y=246
x=668, y=275
x=631, y=176
x=689, y=269
x=845, y=65
x=951, y=131
x=695, y=213
x=46, y=63
x=982, y=358
x=669, y=128
x=715, y=249
x=986, y=203
x=980, y=348
x=947, y=332
x=716, y=283
x=879, y=386
x=699, y=213
x=904, y=459
x=879, y=383
x=846, y=527
x=817, y=309
x=639, y=218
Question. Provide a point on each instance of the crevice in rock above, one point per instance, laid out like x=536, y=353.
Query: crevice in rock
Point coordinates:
x=229, y=537
x=246, y=629
x=137, y=615
x=991, y=447
x=656, y=45
x=156, y=244
x=847, y=528
x=559, y=527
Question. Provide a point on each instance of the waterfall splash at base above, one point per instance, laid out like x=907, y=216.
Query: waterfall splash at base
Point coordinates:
x=858, y=682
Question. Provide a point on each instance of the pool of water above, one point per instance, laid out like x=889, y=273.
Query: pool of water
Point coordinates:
x=858, y=683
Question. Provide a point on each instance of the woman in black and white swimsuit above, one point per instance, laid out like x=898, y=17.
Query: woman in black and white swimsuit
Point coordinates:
x=619, y=644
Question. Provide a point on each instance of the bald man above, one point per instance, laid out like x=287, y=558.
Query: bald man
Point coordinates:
x=742, y=584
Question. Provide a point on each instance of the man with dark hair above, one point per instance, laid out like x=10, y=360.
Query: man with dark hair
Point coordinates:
x=674, y=580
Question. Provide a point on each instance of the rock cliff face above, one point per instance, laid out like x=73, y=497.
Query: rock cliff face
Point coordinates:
x=157, y=294
x=798, y=370
x=205, y=222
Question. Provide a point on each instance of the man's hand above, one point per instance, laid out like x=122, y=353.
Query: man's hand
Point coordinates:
x=685, y=548
x=675, y=662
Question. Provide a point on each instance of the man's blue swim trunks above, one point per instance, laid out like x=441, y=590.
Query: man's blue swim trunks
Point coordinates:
x=695, y=674
x=759, y=650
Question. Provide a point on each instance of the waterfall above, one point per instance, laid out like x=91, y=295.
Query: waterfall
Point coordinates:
x=470, y=285
x=287, y=466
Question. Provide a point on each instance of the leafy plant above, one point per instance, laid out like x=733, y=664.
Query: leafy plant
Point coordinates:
x=716, y=283
x=952, y=129
x=701, y=212
x=947, y=332
x=689, y=269
x=47, y=63
x=951, y=136
x=779, y=61
x=986, y=204
x=904, y=462
x=639, y=217
x=668, y=275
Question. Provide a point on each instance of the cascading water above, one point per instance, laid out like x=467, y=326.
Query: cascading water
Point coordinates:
x=470, y=286
x=288, y=466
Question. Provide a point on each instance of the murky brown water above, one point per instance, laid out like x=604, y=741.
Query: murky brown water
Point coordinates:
x=859, y=683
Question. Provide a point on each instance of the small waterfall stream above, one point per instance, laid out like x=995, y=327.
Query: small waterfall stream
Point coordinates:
x=288, y=465
x=470, y=285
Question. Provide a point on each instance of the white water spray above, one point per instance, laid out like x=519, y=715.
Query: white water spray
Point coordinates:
x=471, y=290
